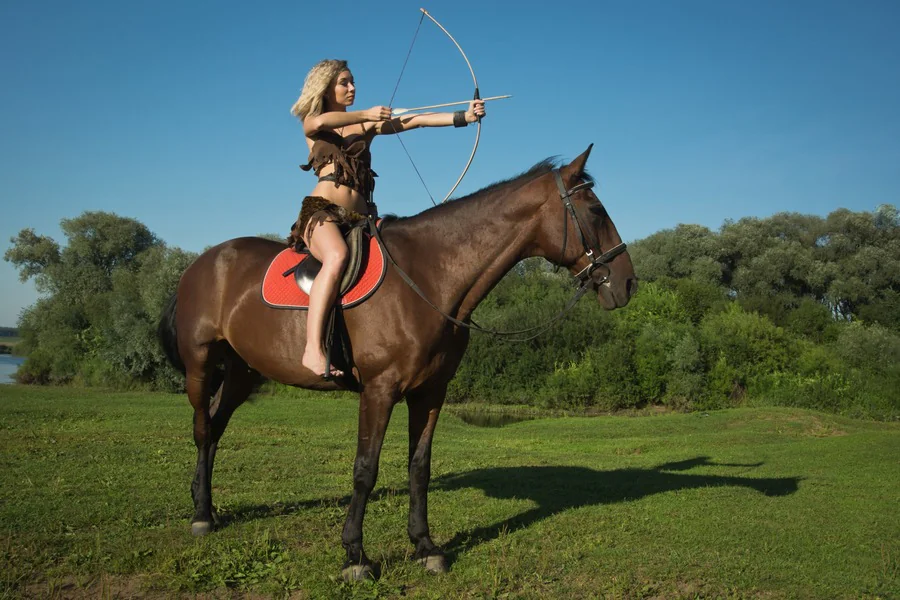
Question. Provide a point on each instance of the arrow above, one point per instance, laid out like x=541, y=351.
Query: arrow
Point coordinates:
x=402, y=111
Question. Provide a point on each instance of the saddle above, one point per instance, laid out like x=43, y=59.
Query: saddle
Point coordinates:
x=305, y=271
x=289, y=278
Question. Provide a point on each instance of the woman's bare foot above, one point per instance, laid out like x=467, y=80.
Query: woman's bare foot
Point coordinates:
x=315, y=362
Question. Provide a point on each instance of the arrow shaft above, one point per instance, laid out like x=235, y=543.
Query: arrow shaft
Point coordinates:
x=402, y=111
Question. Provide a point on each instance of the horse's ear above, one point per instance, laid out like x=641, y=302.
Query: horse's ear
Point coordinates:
x=575, y=168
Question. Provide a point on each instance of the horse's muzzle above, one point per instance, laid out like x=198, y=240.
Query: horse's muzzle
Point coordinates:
x=613, y=294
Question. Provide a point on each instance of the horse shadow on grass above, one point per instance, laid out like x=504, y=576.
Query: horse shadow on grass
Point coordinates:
x=554, y=489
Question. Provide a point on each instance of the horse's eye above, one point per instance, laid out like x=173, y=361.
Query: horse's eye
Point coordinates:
x=598, y=210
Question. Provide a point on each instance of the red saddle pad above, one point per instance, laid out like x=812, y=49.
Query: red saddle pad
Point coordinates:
x=279, y=291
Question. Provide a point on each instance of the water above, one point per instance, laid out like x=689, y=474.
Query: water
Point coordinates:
x=481, y=418
x=8, y=367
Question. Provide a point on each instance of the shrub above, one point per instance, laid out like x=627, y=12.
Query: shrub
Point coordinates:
x=813, y=320
x=741, y=347
x=748, y=341
x=686, y=380
x=830, y=391
x=654, y=304
x=603, y=377
x=36, y=369
x=873, y=348
x=724, y=386
x=500, y=371
x=654, y=347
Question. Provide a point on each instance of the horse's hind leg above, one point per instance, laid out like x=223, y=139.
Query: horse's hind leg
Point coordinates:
x=209, y=425
x=237, y=385
x=200, y=363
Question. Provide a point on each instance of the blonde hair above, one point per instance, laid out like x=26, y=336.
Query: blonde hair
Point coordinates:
x=312, y=99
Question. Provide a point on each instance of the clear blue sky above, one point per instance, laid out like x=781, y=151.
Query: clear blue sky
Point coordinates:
x=177, y=113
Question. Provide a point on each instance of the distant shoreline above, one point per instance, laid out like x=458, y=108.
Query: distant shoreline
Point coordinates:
x=8, y=344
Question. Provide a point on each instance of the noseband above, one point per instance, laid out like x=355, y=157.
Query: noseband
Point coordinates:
x=585, y=275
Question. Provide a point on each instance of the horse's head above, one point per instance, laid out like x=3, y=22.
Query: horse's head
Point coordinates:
x=581, y=236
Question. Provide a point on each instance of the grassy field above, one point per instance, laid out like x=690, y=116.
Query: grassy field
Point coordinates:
x=751, y=503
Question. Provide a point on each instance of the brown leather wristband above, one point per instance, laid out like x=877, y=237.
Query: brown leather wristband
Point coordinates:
x=459, y=119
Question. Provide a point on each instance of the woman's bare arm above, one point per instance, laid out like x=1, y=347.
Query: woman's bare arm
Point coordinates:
x=435, y=119
x=338, y=119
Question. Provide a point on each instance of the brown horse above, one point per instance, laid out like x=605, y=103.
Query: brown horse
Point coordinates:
x=402, y=347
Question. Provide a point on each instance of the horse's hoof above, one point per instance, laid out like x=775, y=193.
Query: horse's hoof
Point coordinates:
x=201, y=528
x=357, y=573
x=435, y=563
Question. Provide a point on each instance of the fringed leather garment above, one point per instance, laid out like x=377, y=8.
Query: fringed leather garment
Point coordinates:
x=352, y=168
x=350, y=156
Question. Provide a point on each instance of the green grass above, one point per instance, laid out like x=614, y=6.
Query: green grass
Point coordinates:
x=749, y=503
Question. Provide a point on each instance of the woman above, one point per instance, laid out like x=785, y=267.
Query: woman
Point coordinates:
x=339, y=155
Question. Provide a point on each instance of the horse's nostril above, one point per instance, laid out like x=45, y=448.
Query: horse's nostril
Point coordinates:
x=631, y=286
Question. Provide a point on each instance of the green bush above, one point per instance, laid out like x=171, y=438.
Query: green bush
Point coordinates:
x=725, y=386
x=815, y=360
x=740, y=347
x=686, y=381
x=884, y=309
x=572, y=385
x=748, y=341
x=37, y=368
x=812, y=319
x=697, y=298
x=872, y=348
x=497, y=370
x=602, y=378
x=830, y=391
x=654, y=304
x=653, y=350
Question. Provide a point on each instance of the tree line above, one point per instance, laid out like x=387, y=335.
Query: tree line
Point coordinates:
x=793, y=309
x=102, y=294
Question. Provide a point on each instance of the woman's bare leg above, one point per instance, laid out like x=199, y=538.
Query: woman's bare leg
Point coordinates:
x=327, y=244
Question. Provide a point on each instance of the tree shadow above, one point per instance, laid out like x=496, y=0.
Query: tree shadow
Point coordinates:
x=556, y=489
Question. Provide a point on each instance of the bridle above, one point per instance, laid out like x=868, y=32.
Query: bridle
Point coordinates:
x=585, y=276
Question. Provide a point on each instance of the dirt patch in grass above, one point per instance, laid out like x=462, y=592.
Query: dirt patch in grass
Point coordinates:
x=817, y=428
x=98, y=587
x=131, y=587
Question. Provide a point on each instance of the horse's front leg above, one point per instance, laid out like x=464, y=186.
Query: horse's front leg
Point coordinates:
x=424, y=408
x=375, y=408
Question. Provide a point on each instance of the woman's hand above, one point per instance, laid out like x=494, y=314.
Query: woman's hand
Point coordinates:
x=378, y=113
x=476, y=111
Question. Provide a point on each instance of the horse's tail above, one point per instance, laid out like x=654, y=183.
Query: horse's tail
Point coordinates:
x=167, y=335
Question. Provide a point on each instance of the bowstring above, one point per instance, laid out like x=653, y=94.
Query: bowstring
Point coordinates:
x=408, y=54
x=391, y=104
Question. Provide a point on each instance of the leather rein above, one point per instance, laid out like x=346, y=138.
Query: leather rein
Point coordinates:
x=585, y=276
